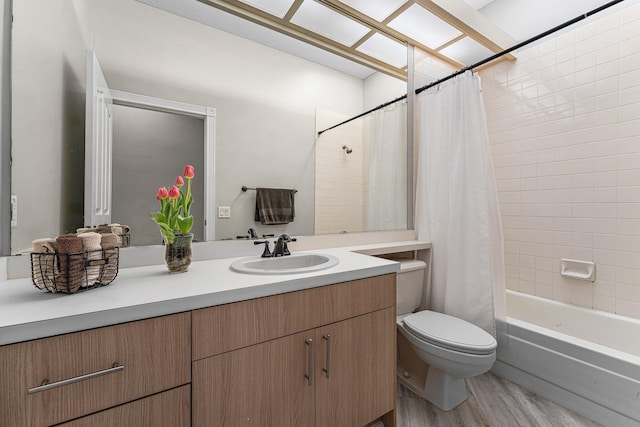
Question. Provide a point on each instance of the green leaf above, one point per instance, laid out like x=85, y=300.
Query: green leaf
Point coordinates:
x=185, y=224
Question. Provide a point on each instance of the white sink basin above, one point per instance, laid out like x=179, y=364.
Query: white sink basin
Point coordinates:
x=290, y=264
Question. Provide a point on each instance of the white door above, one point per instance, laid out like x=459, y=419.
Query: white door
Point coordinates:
x=98, y=138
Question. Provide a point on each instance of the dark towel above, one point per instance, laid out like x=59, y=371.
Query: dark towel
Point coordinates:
x=274, y=206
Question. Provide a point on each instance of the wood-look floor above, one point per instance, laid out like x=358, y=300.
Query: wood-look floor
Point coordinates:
x=492, y=402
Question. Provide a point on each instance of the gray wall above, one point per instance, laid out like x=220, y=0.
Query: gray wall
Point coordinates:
x=5, y=128
x=150, y=149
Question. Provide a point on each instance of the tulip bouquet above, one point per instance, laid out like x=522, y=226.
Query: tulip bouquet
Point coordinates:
x=174, y=217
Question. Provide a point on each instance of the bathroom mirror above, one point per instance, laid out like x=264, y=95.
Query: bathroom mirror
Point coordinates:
x=269, y=105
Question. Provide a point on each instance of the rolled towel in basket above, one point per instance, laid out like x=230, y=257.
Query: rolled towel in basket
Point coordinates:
x=109, y=242
x=93, y=248
x=43, y=263
x=120, y=231
x=71, y=263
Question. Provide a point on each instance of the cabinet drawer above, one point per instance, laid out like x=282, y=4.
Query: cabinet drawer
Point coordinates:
x=350, y=299
x=149, y=356
x=167, y=409
x=232, y=326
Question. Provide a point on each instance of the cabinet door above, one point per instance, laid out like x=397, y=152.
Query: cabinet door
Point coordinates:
x=167, y=409
x=260, y=385
x=52, y=380
x=356, y=369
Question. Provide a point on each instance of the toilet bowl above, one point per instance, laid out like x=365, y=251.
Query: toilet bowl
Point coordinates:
x=453, y=349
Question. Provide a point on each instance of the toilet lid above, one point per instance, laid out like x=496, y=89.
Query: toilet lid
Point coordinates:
x=450, y=332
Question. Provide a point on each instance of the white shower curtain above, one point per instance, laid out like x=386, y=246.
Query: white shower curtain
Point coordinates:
x=457, y=206
x=386, y=207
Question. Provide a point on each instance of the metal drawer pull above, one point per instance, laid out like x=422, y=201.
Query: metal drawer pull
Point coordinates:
x=328, y=355
x=46, y=386
x=309, y=374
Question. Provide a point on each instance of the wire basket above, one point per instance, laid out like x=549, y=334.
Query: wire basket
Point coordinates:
x=74, y=272
x=124, y=240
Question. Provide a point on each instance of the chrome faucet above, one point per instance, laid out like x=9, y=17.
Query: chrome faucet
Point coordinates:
x=281, y=248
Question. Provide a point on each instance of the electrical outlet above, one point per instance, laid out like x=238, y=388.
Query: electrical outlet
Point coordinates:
x=14, y=210
x=224, y=211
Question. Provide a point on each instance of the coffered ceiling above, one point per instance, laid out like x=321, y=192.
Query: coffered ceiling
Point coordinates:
x=376, y=33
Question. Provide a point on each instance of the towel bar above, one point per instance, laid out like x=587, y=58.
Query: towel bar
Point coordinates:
x=245, y=188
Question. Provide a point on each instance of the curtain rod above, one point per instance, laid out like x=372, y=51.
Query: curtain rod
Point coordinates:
x=484, y=61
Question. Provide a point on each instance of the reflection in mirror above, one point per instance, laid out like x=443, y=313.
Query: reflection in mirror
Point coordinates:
x=361, y=172
x=266, y=103
x=146, y=157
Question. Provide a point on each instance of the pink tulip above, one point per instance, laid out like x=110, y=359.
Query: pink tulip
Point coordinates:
x=189, y=173
x=162, y=194
x=179, y=182
x=174, y=193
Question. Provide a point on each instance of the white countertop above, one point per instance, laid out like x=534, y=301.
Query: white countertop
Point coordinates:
x=142, y=292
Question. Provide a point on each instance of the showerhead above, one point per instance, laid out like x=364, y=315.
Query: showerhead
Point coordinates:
x=347, y=150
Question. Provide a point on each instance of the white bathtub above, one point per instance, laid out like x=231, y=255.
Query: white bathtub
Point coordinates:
x=585, y=360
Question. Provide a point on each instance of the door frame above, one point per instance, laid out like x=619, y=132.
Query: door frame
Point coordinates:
x=208, y=114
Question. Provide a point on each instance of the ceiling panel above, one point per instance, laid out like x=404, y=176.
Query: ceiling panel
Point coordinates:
x=385, y=49
x=377, y=9
x=424, y=27
x=333, y=25
x=278, y=8
x=467, y=51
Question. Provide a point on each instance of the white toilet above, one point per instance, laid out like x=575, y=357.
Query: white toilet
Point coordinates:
x=453, y=349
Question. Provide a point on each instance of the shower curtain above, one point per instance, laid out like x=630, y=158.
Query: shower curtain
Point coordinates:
x=457, y=203
x=386, y=203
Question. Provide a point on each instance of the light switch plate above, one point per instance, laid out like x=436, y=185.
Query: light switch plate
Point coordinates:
x=224, y=211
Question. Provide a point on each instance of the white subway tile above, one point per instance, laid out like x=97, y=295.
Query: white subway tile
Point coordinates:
x=628, y=292
x=605, y=241
x=628, y=308
x=629, y=47
x=629, y=161
x=604, y=303
x=604, y=256
x=605, y=210
x=582, y=299
x=605, y=179
x=583, y=180
x=605, y=279
x=605, y=195
x=606, y=164
x=630, y=227
x=527, y=287
x=629, y=128
x=630, y=112
x=561, y=295
x=528, y=248
x=629, y=77
x=607, y=85
x=583, y=240
x=583, y=210
x=544, y=263
x=605, y=225
x=585, y=195
x=628, y=210
x=582, y=225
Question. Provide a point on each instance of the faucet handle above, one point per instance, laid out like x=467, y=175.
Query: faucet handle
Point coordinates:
x=266, y=253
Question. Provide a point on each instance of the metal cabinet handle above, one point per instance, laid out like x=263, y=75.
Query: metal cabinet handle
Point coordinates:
x=309, y=375
x=46, y=386
x=328, y=355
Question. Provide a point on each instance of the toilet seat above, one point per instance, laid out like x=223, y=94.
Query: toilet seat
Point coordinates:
x=450, y=332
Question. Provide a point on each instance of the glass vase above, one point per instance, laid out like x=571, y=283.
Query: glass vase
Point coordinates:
x=177, y=255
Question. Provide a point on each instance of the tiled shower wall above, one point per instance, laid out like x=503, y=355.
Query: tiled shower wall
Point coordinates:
x=564, y=124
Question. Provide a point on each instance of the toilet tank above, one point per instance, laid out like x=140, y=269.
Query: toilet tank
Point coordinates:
x=409, y=285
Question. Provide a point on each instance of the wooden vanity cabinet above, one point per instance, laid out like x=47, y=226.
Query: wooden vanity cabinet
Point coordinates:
x=170, y=408
x=334, y=367
x=93, y=370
